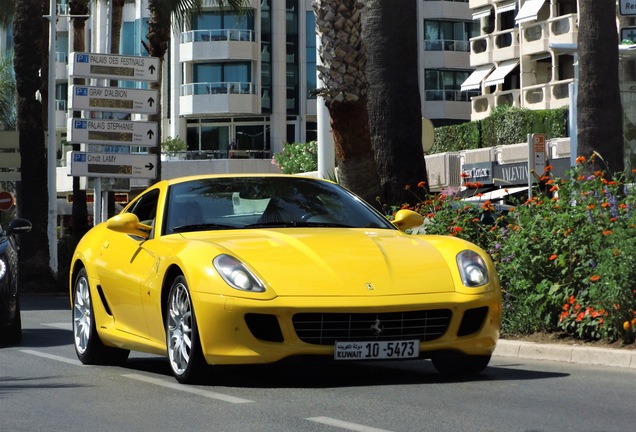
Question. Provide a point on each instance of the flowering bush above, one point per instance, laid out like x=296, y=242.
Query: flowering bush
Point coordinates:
x=297, y=158
x=566, y=258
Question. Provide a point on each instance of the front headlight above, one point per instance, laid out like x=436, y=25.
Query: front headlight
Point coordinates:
x=3, y=267
x=472, y=268
x=237, y=275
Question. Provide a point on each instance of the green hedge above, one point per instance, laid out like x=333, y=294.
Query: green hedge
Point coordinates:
x=506, y=125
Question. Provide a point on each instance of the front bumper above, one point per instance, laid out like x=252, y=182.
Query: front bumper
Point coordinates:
x=241, y=331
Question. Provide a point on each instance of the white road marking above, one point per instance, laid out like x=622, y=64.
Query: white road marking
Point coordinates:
x=53, y=357
x=188, y=389
x=345, y=425
x=62, y=326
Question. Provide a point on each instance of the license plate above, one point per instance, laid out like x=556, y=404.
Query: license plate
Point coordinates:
x=377, y=350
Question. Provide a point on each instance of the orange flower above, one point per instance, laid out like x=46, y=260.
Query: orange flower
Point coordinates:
x=580, y=159
x=580, y=317
x=591, y=207
x=548, y=168
x=605, y=204
x=456, y=229
x=572, y=299
x=608, y=232
x=554, y=188
x=594, y=278
x=553, y=257
x=421, y=184
x=622, y=206
x=580, y=178
x=465, y=174
x=614, y=219
x=627, y=325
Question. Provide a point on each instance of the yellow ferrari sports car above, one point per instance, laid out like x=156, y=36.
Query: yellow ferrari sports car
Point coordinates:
x=238, y=269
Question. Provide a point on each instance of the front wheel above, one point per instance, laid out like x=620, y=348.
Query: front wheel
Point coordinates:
x=182, y=336
x=88, y=346
x=458, y=364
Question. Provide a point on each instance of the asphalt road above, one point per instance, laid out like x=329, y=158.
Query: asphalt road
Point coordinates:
x=44, y=387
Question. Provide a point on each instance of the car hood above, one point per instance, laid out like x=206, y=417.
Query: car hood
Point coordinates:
x=335, y=262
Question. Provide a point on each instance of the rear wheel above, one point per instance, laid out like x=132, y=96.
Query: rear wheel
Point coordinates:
x=88, y=346
x=182, y=336
x=12, y=334
x=458, y=364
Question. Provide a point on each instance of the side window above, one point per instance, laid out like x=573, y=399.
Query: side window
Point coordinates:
x=146, y=207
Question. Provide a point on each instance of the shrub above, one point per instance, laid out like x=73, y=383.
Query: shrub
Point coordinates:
x=565, y=259
x=297, y=158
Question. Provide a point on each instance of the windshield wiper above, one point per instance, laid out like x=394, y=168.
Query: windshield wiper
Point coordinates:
x=201, y=227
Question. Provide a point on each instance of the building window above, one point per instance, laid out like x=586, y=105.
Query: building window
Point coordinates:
x=213, y=78
x=311, y=54
x=449, y=35
x=445, y=85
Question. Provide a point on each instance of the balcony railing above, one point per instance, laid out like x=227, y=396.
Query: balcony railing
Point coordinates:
x=217, y=88
x=447, y=45
x=217, y=35
x=450, y=95
x=550, y=95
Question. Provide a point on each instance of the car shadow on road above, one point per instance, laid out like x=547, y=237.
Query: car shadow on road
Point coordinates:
x=45, y=337
x=328, y=374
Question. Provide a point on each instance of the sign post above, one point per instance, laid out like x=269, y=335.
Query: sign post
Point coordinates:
x=115, y=136
x=536, y=158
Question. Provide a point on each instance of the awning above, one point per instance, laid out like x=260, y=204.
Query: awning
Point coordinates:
x=481, y=13
x=497, y=194
x=499, y=75
x=529, y=11
x=506, y=6
x=474, y=80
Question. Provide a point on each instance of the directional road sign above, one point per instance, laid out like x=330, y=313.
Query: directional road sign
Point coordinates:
x=118, y=132
x=113, y=99
x=115, y=67
x=113, y=165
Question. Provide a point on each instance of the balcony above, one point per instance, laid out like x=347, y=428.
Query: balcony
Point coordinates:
x=550, y=95
x=60, y=114
x=61, y=66
x=506, y=45
x=483, y=105
x=537, y=36
x=220, y=44
x=212, y=98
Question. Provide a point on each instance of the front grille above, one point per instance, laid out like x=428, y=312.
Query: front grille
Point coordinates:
x=327, y=328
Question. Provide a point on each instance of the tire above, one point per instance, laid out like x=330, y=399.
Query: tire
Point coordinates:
x=457, y=364
x=89, y=347
x=12, y=334
x=182, y=335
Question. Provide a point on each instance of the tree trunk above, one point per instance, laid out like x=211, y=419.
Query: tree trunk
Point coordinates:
x=79, y=211
x=395, y=117
x=343, y=60
x=600, y=119
x=32, y=195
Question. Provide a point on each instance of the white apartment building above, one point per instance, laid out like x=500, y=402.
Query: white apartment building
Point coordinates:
x=245, y=80
x=514, y=63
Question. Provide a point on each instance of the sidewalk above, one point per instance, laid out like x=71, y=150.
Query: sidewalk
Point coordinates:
x=567, y=353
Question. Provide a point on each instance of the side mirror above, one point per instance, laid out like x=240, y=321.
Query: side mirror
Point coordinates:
x=19, y=225
x=407, y=219
x=128, y=223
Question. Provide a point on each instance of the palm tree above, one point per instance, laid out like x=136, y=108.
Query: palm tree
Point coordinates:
x=343, y=56
x=79, y=10
x=390, y=32
x=7, y=92
x=600, y=120
x=32, y=193
x=165, y=15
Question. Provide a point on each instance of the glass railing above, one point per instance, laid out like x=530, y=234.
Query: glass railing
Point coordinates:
x=450, y=95
x=60, y=105
x=61, y=57
x=447, y=45
x=217, y=88
x=217, y=35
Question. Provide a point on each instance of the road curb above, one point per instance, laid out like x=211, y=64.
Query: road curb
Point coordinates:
x=610, y=357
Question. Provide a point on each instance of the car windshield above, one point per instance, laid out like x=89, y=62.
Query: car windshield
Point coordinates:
x=265, y=202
